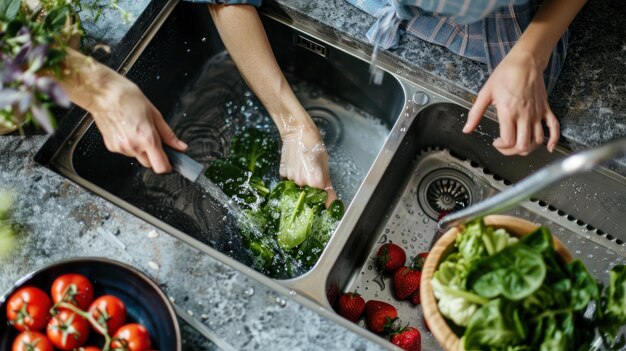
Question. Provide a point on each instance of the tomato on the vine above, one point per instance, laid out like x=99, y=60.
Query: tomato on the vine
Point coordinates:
x=31, y=341
x=29, y=309
x=67, y=330
x=131, y=337
x=109, y=312
x=72, y=288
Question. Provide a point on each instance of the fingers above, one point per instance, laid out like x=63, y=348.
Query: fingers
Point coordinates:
x=167, y=134
x=158, y=159
x=508, y=132
x=478, y=110
x=554, y=128
x=143, y=160
x=332, y=195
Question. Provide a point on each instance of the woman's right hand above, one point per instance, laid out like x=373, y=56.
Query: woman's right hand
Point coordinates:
x=129, y=122
x=132, y=126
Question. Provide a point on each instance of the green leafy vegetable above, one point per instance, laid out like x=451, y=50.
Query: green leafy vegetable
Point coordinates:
x=519, y=295
x=514, y=273
x=496, y=324
x=279, y=225
x=237, y=182
x=253, y=150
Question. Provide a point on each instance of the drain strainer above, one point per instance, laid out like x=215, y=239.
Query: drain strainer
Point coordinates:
x=328, y=123
x=445, y=190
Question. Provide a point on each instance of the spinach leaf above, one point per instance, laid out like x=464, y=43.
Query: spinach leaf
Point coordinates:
x=540, y=241
x=237, y=182
x=253, y=150
x=496, y=325
x=296, y=219
x=611, y=314
x=558, y=333
x=314, y=196
x=336, y=210
x=584, y=287
x=514, y=273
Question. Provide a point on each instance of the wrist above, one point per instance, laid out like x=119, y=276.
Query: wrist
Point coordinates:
x=528, y=58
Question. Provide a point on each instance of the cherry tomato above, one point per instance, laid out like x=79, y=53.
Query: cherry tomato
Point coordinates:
x=67, y=330
x=32, y=341
x=131, y=337
x=73, y=288
x=89, y=348
x=109, y=312
x=29, y=309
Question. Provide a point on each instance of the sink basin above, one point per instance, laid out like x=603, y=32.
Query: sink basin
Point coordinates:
x=398, y=157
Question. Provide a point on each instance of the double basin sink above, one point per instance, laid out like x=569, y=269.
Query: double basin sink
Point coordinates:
x=424, y=165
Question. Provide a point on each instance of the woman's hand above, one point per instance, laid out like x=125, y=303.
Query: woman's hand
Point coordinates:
x=132, y=126
x=129, y=123
x=517, y=89
x=304, y=159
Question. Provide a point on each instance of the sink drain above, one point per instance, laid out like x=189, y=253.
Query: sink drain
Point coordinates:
x=328, y=123
x=445, y=190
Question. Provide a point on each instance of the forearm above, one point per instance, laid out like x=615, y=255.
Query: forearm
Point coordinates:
x=546, y=28
x=243, y=35
x=85, y=80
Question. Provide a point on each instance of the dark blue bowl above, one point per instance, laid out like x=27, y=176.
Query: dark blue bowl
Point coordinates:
x=145, y=302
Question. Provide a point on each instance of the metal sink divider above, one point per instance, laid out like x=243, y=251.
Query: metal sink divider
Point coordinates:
x=420, y=100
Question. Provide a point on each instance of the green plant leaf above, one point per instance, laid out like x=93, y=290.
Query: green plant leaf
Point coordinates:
x=56, y=19
x=296, y=220
x=496, y=325
x=515, y=273
x=584, y=287
x=253, y=150
x=9, y=9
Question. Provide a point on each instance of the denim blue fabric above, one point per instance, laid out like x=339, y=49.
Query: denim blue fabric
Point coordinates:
x=481, y=30
x=256, y=3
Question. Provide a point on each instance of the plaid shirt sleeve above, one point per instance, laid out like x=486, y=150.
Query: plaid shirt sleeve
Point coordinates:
x=256, y=3
x=481, y=30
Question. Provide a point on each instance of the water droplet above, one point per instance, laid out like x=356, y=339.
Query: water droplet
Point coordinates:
x=249, y=291
x=204, y=40
x=379, y=280
x=292, y=292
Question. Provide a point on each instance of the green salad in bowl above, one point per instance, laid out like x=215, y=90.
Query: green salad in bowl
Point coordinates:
x=512, y=286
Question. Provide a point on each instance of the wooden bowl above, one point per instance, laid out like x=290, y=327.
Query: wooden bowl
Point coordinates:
x=438, y=326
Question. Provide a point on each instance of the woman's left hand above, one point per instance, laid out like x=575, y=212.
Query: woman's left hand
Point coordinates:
x=517, y=89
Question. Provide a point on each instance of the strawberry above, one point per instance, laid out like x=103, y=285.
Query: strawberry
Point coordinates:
x=408, y=338
x=351, y=306
x=406, y=281
x=419, y=260
x=390, y=257
x=380, y=315
x=415, y=297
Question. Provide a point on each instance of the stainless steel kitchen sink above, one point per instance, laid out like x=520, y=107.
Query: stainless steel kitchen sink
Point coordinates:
x=423, y=164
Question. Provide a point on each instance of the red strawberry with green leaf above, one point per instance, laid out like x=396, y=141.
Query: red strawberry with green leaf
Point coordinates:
x=390, y=257
x=408, y=338
x=380, y=315
x=351, y=306
x=406, y=280
x=419, y=260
